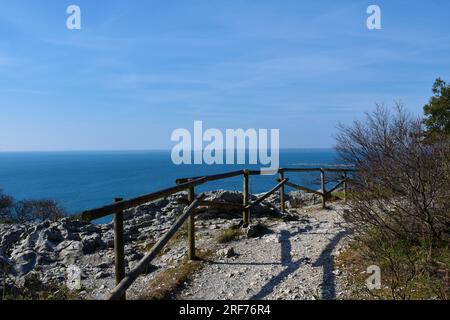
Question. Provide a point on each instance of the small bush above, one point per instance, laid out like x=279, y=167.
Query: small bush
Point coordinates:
x=6, y=207
x=228, y=235
x=38, y=210
x=29, y=210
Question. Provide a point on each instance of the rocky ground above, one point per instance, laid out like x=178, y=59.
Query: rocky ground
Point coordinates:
x=289, y=259
x=292, y=260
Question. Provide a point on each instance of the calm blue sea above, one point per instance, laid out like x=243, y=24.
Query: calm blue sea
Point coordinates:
x=84, y=180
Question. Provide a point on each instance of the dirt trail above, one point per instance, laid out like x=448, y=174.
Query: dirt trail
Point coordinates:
x=294, y=261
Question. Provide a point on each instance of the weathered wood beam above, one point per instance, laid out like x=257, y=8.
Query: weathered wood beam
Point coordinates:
x=338, y=170
x=213, y=177
x=126, y=282
x=246, y=197
x=307, y=190
x=316, y=170
x=135, y=202
x=191, y=226
x=119, y=247
x=282, y=202
x=299, y=169
x=268, y=194
x=324, y=190
x=336, y=187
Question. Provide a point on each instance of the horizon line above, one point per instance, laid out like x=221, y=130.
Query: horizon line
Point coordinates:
x=141, y=150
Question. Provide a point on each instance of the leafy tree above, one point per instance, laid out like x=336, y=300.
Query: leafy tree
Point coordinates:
x=437, y=111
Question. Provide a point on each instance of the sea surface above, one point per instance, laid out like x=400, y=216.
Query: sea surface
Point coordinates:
x=85, y=180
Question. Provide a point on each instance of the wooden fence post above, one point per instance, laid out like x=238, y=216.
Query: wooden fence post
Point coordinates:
x=324, y=191
x=119, y=246
x=282, y=203
x=191, y=226
x=345, y=186
x=246, y=213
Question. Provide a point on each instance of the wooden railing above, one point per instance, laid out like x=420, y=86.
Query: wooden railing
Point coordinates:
x=124, y=281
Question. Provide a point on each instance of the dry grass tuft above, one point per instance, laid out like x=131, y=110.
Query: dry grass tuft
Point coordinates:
x=165, y=285
x=228, y=235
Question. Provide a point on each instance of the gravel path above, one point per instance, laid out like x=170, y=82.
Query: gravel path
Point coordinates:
x=295, y=260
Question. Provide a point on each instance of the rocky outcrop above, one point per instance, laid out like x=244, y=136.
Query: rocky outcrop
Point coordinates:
x=49, y=248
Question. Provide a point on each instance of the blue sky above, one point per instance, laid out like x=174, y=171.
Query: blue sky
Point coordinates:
x=137, y=70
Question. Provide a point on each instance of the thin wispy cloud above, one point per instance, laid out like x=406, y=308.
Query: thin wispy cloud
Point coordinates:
x=149, y=66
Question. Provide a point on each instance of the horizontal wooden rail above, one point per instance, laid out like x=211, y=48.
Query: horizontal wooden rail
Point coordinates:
x=260, y=172
x=135, y=202
x=254, y=172
x=213, y=177
x=266, y=195
x=338, y=170
x=299, y=170
x=121, y=288
x=316, y=170
x=307, y=190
